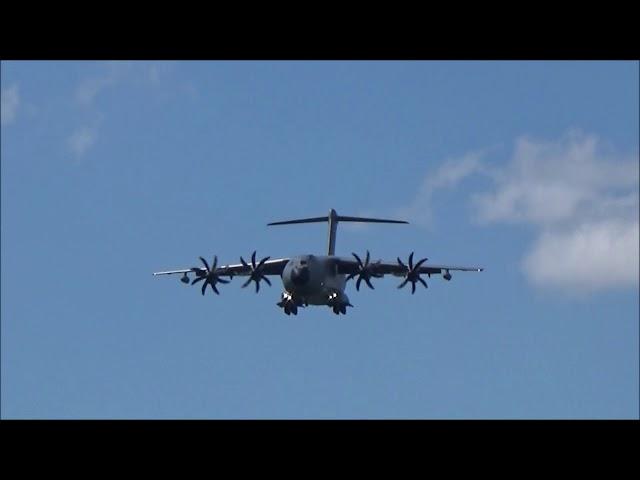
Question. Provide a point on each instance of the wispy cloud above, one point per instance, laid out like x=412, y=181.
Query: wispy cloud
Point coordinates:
x=81, y=140
x=113, y=74
x=89, y=88
x=10, y=102
x=419, y=209
x=447, y=176
x=109, y=76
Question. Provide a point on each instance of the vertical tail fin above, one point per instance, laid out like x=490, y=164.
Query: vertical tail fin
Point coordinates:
x=333, y=218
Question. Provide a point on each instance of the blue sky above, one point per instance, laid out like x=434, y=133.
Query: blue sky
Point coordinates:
x=114, y=170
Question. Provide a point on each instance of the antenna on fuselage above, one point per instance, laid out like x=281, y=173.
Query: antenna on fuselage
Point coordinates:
x=333, y=218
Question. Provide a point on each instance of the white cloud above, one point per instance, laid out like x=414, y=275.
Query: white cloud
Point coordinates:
x=583, y=202
x=9, y=105
x=593, y=256
x=551, y=182
x=81, y=140
x=579, y=197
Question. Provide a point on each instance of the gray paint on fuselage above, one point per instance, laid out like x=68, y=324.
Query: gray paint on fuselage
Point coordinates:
x=322, y=279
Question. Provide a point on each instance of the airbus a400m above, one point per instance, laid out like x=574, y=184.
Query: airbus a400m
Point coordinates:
x=316, y=279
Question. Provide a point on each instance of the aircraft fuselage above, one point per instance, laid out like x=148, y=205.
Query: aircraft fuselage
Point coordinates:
x=313, y=280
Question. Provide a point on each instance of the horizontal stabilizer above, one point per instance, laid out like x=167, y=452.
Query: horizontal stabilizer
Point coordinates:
x=302, y=220
x=368, y=220
x=333, y=218
x=336, y=218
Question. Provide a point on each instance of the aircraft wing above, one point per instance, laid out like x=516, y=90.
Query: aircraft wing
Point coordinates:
x=270, y=267
x=350, y=266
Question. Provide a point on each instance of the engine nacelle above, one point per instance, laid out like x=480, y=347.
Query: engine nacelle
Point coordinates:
x=446, y=275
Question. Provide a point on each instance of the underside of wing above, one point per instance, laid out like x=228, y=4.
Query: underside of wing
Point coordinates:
x=268, y=267
x=350, y=266
x=210, y=274
x=364, y=270
x=434, y=269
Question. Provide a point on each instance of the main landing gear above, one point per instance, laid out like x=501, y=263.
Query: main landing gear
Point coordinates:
x=338, y=305
x=337, y=302
x=289, y=304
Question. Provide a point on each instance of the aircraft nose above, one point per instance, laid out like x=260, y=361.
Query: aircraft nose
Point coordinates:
x=300, y=275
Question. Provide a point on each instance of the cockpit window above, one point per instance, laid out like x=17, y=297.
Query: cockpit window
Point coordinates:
x=307, y=260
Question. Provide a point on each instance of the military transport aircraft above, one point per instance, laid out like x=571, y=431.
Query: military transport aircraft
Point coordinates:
x=316, y=279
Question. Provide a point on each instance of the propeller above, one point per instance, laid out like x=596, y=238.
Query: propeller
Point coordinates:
x=209, y=276
x=256, y=271
x=365, y=271
x=412, y=273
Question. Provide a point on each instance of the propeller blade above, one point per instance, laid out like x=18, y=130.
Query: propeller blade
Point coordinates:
x=244, y=264
x=358, y=259
x=401, y=264
x=222, y=280
x=205, y=263
x=215, y=263
x=253, y=259
x=368, y=283
x=262, y=261
x=413, y=288
x=196, y=280
x=266, y=280
x=423, y=282
x=247, y=282
x=204, y=286
x=213, y=285
x=411, y=261
x=366, y=261
x=257, y=285
x=358, y=283
x=403, y=283
x=420, y=263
